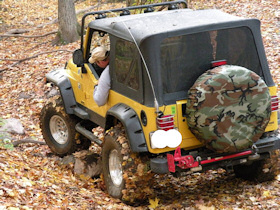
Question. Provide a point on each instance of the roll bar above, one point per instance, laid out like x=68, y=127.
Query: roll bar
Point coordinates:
x=126, y=11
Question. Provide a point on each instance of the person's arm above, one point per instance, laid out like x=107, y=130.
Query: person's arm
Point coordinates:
x=101, y=91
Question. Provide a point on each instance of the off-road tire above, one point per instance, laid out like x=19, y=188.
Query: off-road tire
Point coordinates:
x=136, y=182
x=67, y=140
x=260, y=171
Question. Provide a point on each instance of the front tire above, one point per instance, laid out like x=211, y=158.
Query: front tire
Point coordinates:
x=58, y=128
x=260, y=171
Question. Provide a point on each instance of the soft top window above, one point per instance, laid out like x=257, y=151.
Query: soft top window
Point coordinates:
x=126, y=64
x=126, y=69
x=185, y=58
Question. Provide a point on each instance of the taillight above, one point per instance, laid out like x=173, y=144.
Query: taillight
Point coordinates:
x=165, y=122
x=274, y=103
x=166, y=135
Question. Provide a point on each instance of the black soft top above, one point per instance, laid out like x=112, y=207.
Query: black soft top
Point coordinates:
x=145, y=25
x=148, y=30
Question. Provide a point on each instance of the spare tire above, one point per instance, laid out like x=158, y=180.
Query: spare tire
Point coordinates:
x=228, y=108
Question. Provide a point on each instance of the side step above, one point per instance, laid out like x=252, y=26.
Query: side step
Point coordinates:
x=88, y=134
x=81, y=113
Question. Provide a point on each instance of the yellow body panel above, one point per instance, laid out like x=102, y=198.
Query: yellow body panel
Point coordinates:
x=273, y=123
x=83, y=86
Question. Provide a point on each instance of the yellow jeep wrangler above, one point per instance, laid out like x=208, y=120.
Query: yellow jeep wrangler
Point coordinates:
x=190, y=91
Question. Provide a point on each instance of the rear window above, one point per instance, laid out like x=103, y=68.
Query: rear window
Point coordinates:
x=185, y=58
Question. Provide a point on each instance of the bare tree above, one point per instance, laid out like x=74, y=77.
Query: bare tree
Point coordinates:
x=68, y=25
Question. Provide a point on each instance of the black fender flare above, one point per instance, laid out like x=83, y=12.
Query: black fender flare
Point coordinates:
x=129, y=119
x=58, y=78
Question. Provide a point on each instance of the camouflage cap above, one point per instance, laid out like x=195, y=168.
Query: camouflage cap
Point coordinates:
x=228, y=108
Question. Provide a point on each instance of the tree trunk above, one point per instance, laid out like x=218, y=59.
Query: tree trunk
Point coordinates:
x=68, y=25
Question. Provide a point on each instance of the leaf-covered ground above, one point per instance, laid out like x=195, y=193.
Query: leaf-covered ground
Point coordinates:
x=31, y=178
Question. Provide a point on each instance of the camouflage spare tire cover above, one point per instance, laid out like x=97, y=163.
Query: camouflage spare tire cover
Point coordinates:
x=228, y=108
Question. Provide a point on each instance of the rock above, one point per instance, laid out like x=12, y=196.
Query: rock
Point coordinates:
x=4, y=135
x=12, y=125
x=89, y=165
x=84, y=162
x=23, y=95
x=94, y=167
x=68, y=159
x=79, y=167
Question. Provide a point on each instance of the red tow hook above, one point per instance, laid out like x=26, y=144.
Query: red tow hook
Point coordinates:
x=188, y=161
x=184, y=162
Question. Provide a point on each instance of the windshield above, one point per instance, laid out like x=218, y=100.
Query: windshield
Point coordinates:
x=185, y=58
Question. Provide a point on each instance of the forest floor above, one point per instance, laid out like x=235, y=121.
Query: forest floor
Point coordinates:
x=32, y=178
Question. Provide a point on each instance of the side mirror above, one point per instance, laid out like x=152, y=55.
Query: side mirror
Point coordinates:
x=78, y=57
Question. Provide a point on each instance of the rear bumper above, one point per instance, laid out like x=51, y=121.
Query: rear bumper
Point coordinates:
x=268, y=144
x=177, y=162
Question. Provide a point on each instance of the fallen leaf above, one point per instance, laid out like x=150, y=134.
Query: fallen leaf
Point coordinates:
x=153, y=203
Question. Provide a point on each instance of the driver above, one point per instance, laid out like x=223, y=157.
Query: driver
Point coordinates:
x=100, y=57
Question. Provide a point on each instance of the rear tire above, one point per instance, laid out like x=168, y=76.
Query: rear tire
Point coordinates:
x=126, y=174
x=58, y=129
x=112, y=167
x=260, y=171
